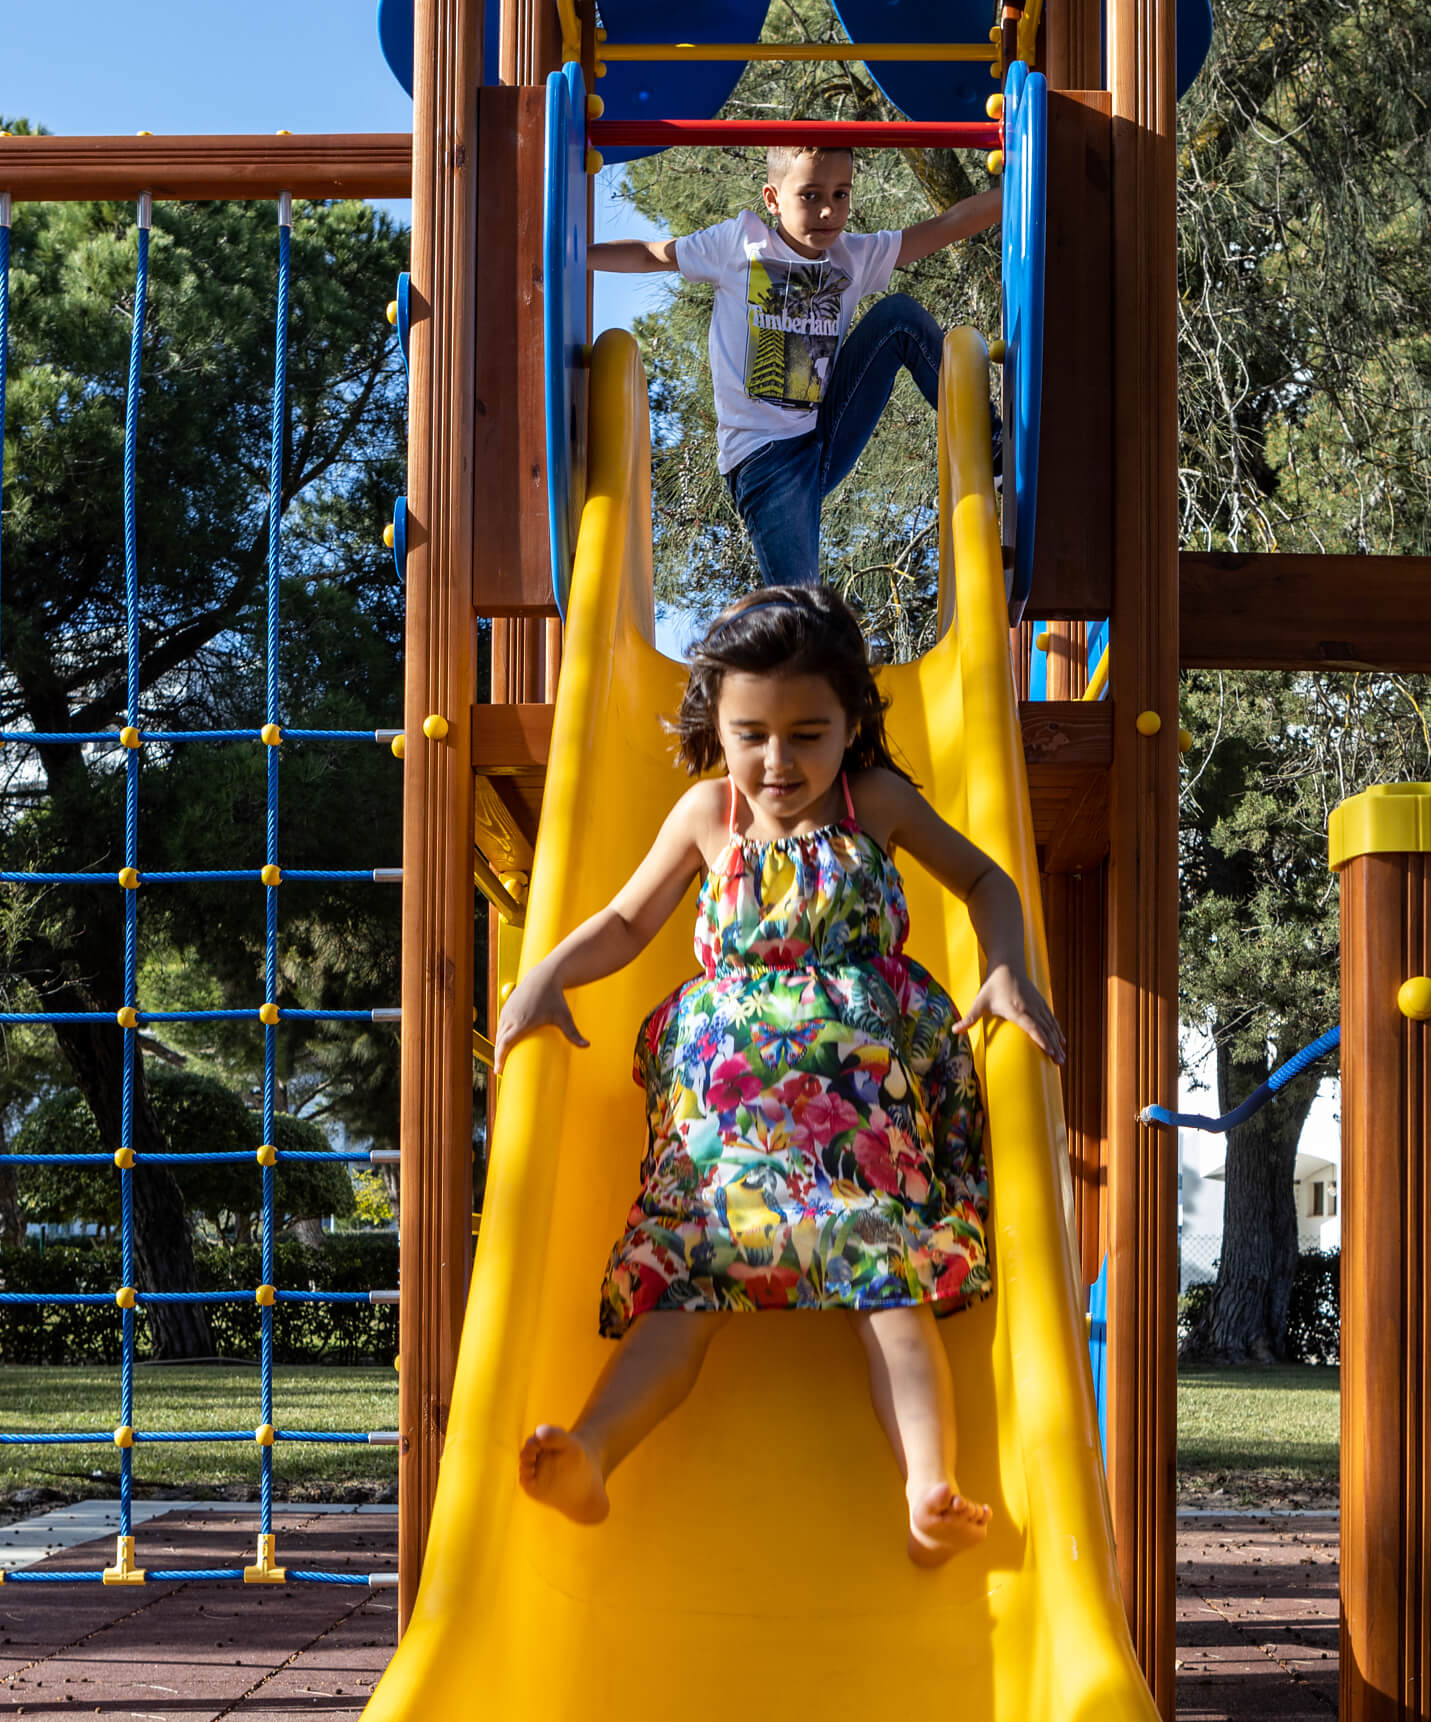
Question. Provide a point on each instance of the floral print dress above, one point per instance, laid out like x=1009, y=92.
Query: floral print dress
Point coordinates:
x=815, y=1128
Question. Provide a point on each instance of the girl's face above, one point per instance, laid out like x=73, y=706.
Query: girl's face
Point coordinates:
x=784, y=738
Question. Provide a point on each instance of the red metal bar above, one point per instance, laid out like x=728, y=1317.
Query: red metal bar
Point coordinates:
x=826, y=134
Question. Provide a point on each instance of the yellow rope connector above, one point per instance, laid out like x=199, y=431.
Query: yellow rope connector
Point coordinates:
x=270, y=735
x=127, y=1016
x=272, y=874
x=129, y=736
x=266, y=1154
x=994, y=161
x=434, y=726
x=389, y=535
x=124, y=1436
x=265, y=1296
x=1413, y=998
x=264, y=1570
x=594, y=161
x=129, y=878
x=268, y=1013
x=126, y=1297
x=124, y=1570
x=399, y=746
x=392, y=312
x=124, y=1158
x=1147, y=723
x=263, y=1435
x=1185, y=740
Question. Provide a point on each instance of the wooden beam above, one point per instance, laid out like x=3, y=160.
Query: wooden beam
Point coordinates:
x=325, y=164
x=1276, y=612
x=441, y=655
x=1143, y=839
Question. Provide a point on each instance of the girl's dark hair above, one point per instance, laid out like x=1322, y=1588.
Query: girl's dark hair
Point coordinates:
x=785, y=631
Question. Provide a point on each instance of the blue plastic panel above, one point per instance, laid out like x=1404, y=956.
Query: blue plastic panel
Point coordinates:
x=395, y=39
x=564, y=324
x=1025, y=202
x=1098, y=1349
x=1194, y=40
x=951, y=90
x=662, y=89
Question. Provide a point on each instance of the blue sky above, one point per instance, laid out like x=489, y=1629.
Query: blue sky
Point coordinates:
x=86, y=67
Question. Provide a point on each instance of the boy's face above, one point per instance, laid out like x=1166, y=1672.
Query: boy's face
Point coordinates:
x=812, y=203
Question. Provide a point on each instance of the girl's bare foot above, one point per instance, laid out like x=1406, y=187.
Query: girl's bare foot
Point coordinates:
x=558, y=1469
x=943, y=1523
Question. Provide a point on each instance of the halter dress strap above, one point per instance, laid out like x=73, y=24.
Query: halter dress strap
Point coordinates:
x=734, y=853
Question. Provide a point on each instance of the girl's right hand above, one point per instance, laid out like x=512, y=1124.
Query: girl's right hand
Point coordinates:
x=537, y=1001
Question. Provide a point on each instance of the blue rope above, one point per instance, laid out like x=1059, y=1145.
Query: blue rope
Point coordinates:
x=1259, y=1096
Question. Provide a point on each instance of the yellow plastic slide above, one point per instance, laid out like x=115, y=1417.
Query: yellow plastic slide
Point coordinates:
x=754, y=1563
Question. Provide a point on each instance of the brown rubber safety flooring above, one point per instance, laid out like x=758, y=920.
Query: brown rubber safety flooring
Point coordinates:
x=1256, y=1609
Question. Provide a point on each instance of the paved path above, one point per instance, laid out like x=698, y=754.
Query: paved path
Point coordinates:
x=1257, y=1620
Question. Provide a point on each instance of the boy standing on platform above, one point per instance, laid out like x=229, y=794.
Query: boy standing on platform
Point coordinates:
x=795, y=403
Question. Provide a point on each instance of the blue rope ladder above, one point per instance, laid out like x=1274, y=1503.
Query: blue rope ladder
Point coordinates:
x=131, y=1018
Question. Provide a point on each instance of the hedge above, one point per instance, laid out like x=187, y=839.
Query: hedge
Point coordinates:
x=302, y=1333
x=1314, y=1313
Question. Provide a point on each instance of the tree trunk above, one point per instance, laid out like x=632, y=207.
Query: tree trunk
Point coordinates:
x=163, y=1246
x=12, y=1224
x=1245, y=1318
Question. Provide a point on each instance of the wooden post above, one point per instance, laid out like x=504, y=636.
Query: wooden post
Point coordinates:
x=1075, y=913
x=1381, y=844
x=1143, y=857
x=437, y=986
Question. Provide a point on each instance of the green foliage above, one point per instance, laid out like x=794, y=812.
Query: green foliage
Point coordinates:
x=198, y=1114
x=1314, y=1319
x=303, y=1332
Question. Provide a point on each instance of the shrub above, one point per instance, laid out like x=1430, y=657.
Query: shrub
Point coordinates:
x=1314, y=1316
x=302, y=1332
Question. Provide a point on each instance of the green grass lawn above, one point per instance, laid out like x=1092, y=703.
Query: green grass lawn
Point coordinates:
x=1259, y=1432
x=217, y=1397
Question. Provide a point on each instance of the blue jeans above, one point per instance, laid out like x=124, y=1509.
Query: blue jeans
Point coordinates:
x=780, y=488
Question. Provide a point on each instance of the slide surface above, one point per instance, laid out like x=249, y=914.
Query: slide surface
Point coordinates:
x=754, y=1561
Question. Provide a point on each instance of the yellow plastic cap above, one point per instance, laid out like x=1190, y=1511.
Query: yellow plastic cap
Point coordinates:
x=593, y=161
x=595, y=107
x=266, y=1155
x=1387, y=819
x=434, y=726
x=994, y=161
x=124, y=1436
x=1041, y=640
x=270, y=735
x=392, y=312
x=268, y=1014
x=127, y=1017
x=389, y=535
x=129, y=736
x=265, y=1296
x=599, y=67
x=1147, y=723
x=1413, y=998
x=129, y=878
x=1185, y=739
x=994, y=107
x=998, y=347
x=399, y=746
x=126, y=1297
x=124, y=1158
x=263, y=1435
x=271, y=874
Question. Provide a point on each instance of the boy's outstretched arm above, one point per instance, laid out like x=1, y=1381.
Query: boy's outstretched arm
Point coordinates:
x=959, y=221
x=632, y=256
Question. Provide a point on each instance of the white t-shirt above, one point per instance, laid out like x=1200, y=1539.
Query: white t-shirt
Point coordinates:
x=777, y=324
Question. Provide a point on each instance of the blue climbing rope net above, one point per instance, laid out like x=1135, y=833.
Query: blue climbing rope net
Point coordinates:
x=129, y=1298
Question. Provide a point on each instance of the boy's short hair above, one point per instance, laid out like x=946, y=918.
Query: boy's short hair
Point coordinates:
x=780, y=158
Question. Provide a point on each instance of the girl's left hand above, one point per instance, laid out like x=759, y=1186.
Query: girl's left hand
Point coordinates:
x=1010, y=994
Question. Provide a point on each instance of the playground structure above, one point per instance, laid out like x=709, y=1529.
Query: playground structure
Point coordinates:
x=1096, y=830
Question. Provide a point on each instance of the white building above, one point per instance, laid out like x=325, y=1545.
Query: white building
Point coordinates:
x=1202, y=1160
